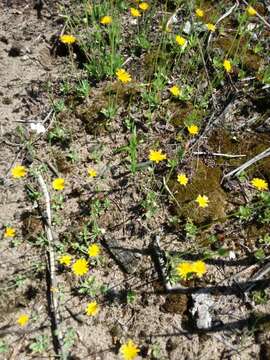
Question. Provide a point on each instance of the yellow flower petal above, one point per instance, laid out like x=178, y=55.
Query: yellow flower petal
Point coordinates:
x=67, y=39
x=227, y=65
x=202, y=201
x=80, y=267
x=129, y=350
x=18, y=171
x=199, y=267
x=199, y=12
x=175, y=91
x=180, y=40
x=65, y=259
x=259, y=184
x=211, y=27
x=182, y=179
x=134, y=12
x=193, y=129
x=58, y=184
x=106, y=20
x=94, y=250
x=92, y=172
x=156, y=156
x=9, y=232
x=92, y=308
x=251, y=11
x=123, y=76
x=23, y=319
x=144, y=6
x=184, y=269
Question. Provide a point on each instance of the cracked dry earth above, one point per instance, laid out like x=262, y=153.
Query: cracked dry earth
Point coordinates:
x=155, y=319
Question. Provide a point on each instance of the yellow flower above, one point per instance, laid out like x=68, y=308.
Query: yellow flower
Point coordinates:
x=67, y=39
x=94, y=250
x=92, y=308
x=251, y=11
x=134, y=12
x=123, y=76
x=80, y=267
x=182, y=179
x=18, y=171
x=211, y=27
x=202, y=201
x=58, y=184
x=92, y=172
x=9, y=232
x=175, y=91
x=23, y=320
x=180, y=40
x=199, y=12
x=129, y=350
x=259, y=184
x=193, y=129
x=156, y=156
x=106, y=20
x=184, y=268
x=199, y=267
x=144, y=6
x=227, y=65
x=65, y=260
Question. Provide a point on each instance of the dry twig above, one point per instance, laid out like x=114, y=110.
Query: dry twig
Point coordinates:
x=57, y=335
x=250, y=162
x=230, y=156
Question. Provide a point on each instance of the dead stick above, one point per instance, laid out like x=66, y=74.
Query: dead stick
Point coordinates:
x=51, y=256
x=230, y=156
x=244, y=166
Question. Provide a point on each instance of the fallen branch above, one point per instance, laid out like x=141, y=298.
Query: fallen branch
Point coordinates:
x=230, y=156
x=57, y=333
x=250, y=162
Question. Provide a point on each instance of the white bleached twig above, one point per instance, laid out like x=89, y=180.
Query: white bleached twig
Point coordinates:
x=51, y=256
x=230, y=156
x=250, y=162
